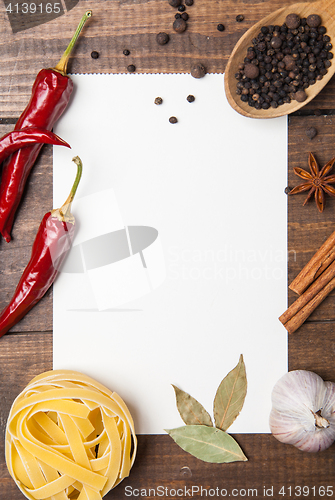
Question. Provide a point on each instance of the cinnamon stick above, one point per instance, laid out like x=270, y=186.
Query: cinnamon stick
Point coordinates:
x=316, y=287
x=300, y=317
x=315, y=267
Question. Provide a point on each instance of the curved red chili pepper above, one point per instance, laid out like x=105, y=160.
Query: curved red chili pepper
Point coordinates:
x=51, y=245
x=18, y=139
x=50, y=95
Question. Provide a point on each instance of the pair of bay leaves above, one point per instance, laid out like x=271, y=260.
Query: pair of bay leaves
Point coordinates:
x=199, y=436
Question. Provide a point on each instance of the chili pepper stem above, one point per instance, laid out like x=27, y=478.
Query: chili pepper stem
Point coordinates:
x=62, y=65
x=64, y=213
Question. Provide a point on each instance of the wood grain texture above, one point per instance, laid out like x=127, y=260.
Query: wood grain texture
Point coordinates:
x=14, y=256
x=22, y=356
x=27, y=350
x=182, y=470
x=307, y=227
x=119, y=25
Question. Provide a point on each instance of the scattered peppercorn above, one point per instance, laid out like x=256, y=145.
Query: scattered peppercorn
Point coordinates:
x=317, y=112
x=131, y=68
x=220, y=27
x=185, y=16
x=198, y=70
x=94, y=54
x=239, y=18
x=177, y=16
x=311, y=132
x=126, y=52
x=283, y=62
x=181, y=8
x=190, y=98
x=158, y=100
x=173, y=119
x=179, y=25
x=162, y=38
x=287, y=190
x=175, y=3
x=189, y=3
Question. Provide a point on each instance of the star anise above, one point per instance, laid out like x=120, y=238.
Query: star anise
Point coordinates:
x=317, y=182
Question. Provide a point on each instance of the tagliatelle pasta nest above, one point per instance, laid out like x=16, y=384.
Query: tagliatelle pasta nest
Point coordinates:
x=68, y=437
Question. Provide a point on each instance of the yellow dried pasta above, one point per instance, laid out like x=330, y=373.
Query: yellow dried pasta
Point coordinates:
x=68, y=437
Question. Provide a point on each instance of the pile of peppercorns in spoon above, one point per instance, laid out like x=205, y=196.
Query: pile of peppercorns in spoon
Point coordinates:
x=284, y=61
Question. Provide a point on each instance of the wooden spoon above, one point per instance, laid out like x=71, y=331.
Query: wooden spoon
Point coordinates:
x=326, y=10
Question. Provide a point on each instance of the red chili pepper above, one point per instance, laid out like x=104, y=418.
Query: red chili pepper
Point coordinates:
x=51, y=245
x=18, y=139
x=50, y=95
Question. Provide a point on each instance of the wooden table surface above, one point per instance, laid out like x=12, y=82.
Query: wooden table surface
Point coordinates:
x=27, y=350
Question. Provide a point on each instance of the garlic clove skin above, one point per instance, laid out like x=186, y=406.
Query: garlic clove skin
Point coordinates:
x=303, y=411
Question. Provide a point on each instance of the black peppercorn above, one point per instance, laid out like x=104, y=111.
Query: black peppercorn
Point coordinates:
x=289, y=62
x=179, y=25
x=131, y=68
x=189, y=3
x=185, y=16
x=300, y=96
x=251, y=71
x=313, y=21
x=283, y=62
x=175, y=3
x=190, y=98
x=292, y=21
x=158, y=101
x=181, y=8
x=162, y=38
x=239, y=18
x=94, y=54
x=251, y=54
x=311, y=132
x=220, y=27
x=198, y=70
x=177, y=16
x=287, y=190
x=276, y=42
x=126, y=52
x=173, y=119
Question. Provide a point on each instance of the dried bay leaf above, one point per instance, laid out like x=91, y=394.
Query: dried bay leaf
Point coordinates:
x=230, y=396
x=207, y=443
x=191, y=411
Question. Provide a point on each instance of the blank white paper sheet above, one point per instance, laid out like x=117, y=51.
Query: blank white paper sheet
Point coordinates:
x=179, y=262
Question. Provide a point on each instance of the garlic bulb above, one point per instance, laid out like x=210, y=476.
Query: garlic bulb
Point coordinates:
x=303, y=411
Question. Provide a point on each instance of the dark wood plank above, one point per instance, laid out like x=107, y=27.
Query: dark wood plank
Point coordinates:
x=22, y=357
x=307, y=227
x=116, y=26
x=14, y=256
x=27, y=350
x=312, y=348
x=178, y=470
